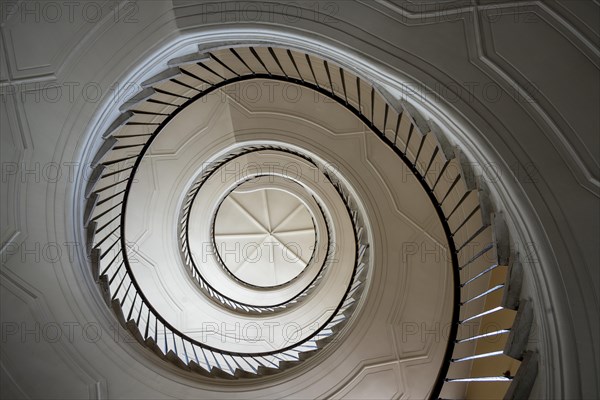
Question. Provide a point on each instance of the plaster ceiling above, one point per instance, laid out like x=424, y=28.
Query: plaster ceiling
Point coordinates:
x=265, y=236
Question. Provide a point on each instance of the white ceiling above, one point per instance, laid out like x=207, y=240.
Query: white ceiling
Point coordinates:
x=265, y=236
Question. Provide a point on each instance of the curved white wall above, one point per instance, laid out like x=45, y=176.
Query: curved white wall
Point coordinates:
x=517, y=86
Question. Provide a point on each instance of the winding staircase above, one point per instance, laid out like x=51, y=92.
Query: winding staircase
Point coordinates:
x=486, y=274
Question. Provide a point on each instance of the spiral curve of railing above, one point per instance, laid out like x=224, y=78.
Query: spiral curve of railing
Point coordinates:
x=478, y=238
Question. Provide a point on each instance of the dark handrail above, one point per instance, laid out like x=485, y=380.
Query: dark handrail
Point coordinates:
x=368, y=122
x=191, y=200
x=128, y=189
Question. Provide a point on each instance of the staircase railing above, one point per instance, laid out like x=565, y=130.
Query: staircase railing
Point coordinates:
x=477, y=237
x=193, y=269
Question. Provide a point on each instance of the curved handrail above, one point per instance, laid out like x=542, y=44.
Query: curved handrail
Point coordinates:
x=189, y=261
x=360, y=253
x=322, y=84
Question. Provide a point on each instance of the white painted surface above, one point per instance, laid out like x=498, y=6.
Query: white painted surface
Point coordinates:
x=265, y=236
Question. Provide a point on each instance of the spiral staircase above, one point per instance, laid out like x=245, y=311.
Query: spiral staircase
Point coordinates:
x=485, y=275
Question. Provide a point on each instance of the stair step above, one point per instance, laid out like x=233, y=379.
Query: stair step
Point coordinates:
x=288, y=364
x=135, y=332
x=197, y=368
x=348, y=311
x=240, y=373
x=116, y=307
x=339, y=326
x=307, y=354
x=325, y=341
x=151, y=344
x=267, y=370
x=219, y=373
x=90, y=232
x=95, y=261
x=104, y=288
x=172, y=357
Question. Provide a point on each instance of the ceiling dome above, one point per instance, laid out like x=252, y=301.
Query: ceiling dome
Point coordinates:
x=265, y=236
